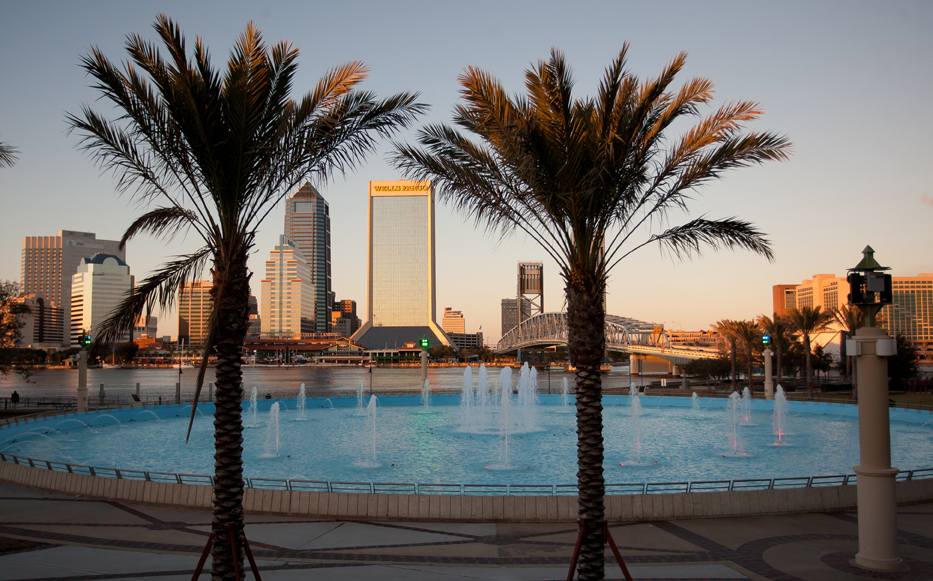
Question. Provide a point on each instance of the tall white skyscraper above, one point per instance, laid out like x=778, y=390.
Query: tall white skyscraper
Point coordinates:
x=48, y=263
x=287, y=295
x=401, y=294
x=307, y=224
x=99, y=285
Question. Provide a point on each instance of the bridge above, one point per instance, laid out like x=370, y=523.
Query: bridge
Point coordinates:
x=623, y=335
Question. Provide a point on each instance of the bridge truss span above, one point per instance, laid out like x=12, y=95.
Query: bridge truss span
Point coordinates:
x=622, y=334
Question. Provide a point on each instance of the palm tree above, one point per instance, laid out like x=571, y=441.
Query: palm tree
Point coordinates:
x=214, y=151
x=776, y=327
x=851, y=320
x=726, y=330
x=7, y=155
x=748, y=335
x=591, y=181
x=804, y=322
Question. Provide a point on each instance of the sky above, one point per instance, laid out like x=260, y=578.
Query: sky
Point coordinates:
x=849, y=83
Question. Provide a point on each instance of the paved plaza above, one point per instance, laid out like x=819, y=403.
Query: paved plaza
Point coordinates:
x=51, y=536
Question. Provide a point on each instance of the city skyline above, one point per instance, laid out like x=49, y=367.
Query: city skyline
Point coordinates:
x=853, y=179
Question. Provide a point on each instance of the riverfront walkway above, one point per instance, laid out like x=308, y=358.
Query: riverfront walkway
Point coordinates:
x=46, y=536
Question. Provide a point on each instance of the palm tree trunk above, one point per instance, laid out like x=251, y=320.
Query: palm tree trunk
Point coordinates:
x=231, y=295
x=806, y=348
x=586, y=338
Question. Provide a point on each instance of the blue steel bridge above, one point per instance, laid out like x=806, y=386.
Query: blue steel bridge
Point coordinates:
x=622, y=335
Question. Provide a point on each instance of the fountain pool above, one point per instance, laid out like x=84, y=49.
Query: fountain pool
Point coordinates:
x=336, y=444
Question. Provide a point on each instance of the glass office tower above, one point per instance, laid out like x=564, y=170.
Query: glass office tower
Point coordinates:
x=307, y=224
x=401, y=294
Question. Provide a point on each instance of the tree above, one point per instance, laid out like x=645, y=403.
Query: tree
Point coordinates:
x=591, y=181
x=748, y=336
x=210, y=153
x=11, y=324
x=804, y=322
x=726, y=329
x=7, y=155
x=902, y=365
x=776, y=327
x=851, y=320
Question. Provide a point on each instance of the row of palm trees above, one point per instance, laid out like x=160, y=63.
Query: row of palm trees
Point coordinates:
x=797, y=324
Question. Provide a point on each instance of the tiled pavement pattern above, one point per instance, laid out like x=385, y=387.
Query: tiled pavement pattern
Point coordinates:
x=70, y=538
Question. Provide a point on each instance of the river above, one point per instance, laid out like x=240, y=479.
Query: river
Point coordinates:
x=276, y=381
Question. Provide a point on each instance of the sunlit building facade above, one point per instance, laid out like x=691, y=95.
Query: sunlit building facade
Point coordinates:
x=49, y=262
x=287, y=305
x=453, y=321
x=307, y=225
x=194, y=311
x=99, y=285
x=401, y=274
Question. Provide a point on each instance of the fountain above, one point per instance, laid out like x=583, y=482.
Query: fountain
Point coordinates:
x=527, y=398
x=272, y=432
x=635, y=424
x=426, y=397
x=467, y=399
x=733, y=415
x=694, y=407
x=301, y=404
x=437, y=448
x=360, y=396
x=565, y=397
x=253, y=411
x=482, y=393
x=780, y=413
x=747, y=407
x=371, y=421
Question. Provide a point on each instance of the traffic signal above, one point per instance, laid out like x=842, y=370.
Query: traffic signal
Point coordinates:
x=84, y=340
x=766, y=340
x=425, y=343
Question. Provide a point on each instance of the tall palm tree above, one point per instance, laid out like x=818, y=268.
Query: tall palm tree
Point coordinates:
x=211, y=152
x=726, y=329
x=7, y=155
x=776, y=327
x=851, y=320
x=748, y=335
x=804, y=322
x=591, y=181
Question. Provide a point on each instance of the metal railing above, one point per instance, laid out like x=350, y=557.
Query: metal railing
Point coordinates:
x=464, y=489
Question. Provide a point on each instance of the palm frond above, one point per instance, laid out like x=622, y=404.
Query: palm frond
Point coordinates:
x=159, y=289
x=160, y=223
x=8, y=155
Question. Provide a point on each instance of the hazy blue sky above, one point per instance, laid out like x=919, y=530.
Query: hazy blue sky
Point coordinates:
x=848, y=82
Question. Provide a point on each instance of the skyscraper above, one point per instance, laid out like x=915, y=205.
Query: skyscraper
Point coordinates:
x=453, y=321
x=48, y=263
x=401, y=289
x=287, y=295
x=99, y=285
x=307, y=224
x=194, y=311
x=530, y=290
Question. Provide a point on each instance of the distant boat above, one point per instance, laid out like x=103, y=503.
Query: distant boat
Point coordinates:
x=187, y=365
x=111, y=366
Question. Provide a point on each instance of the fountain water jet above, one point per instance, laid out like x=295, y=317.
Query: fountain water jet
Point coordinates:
x=426, y=397
x=780, y=413
x=467, y=399
x=635, y=423
x=747, y=407
x=301, y=403
x=733, y=415
x=565, y=397
x=253, y=410
x=272, y=433
x=360, y=396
